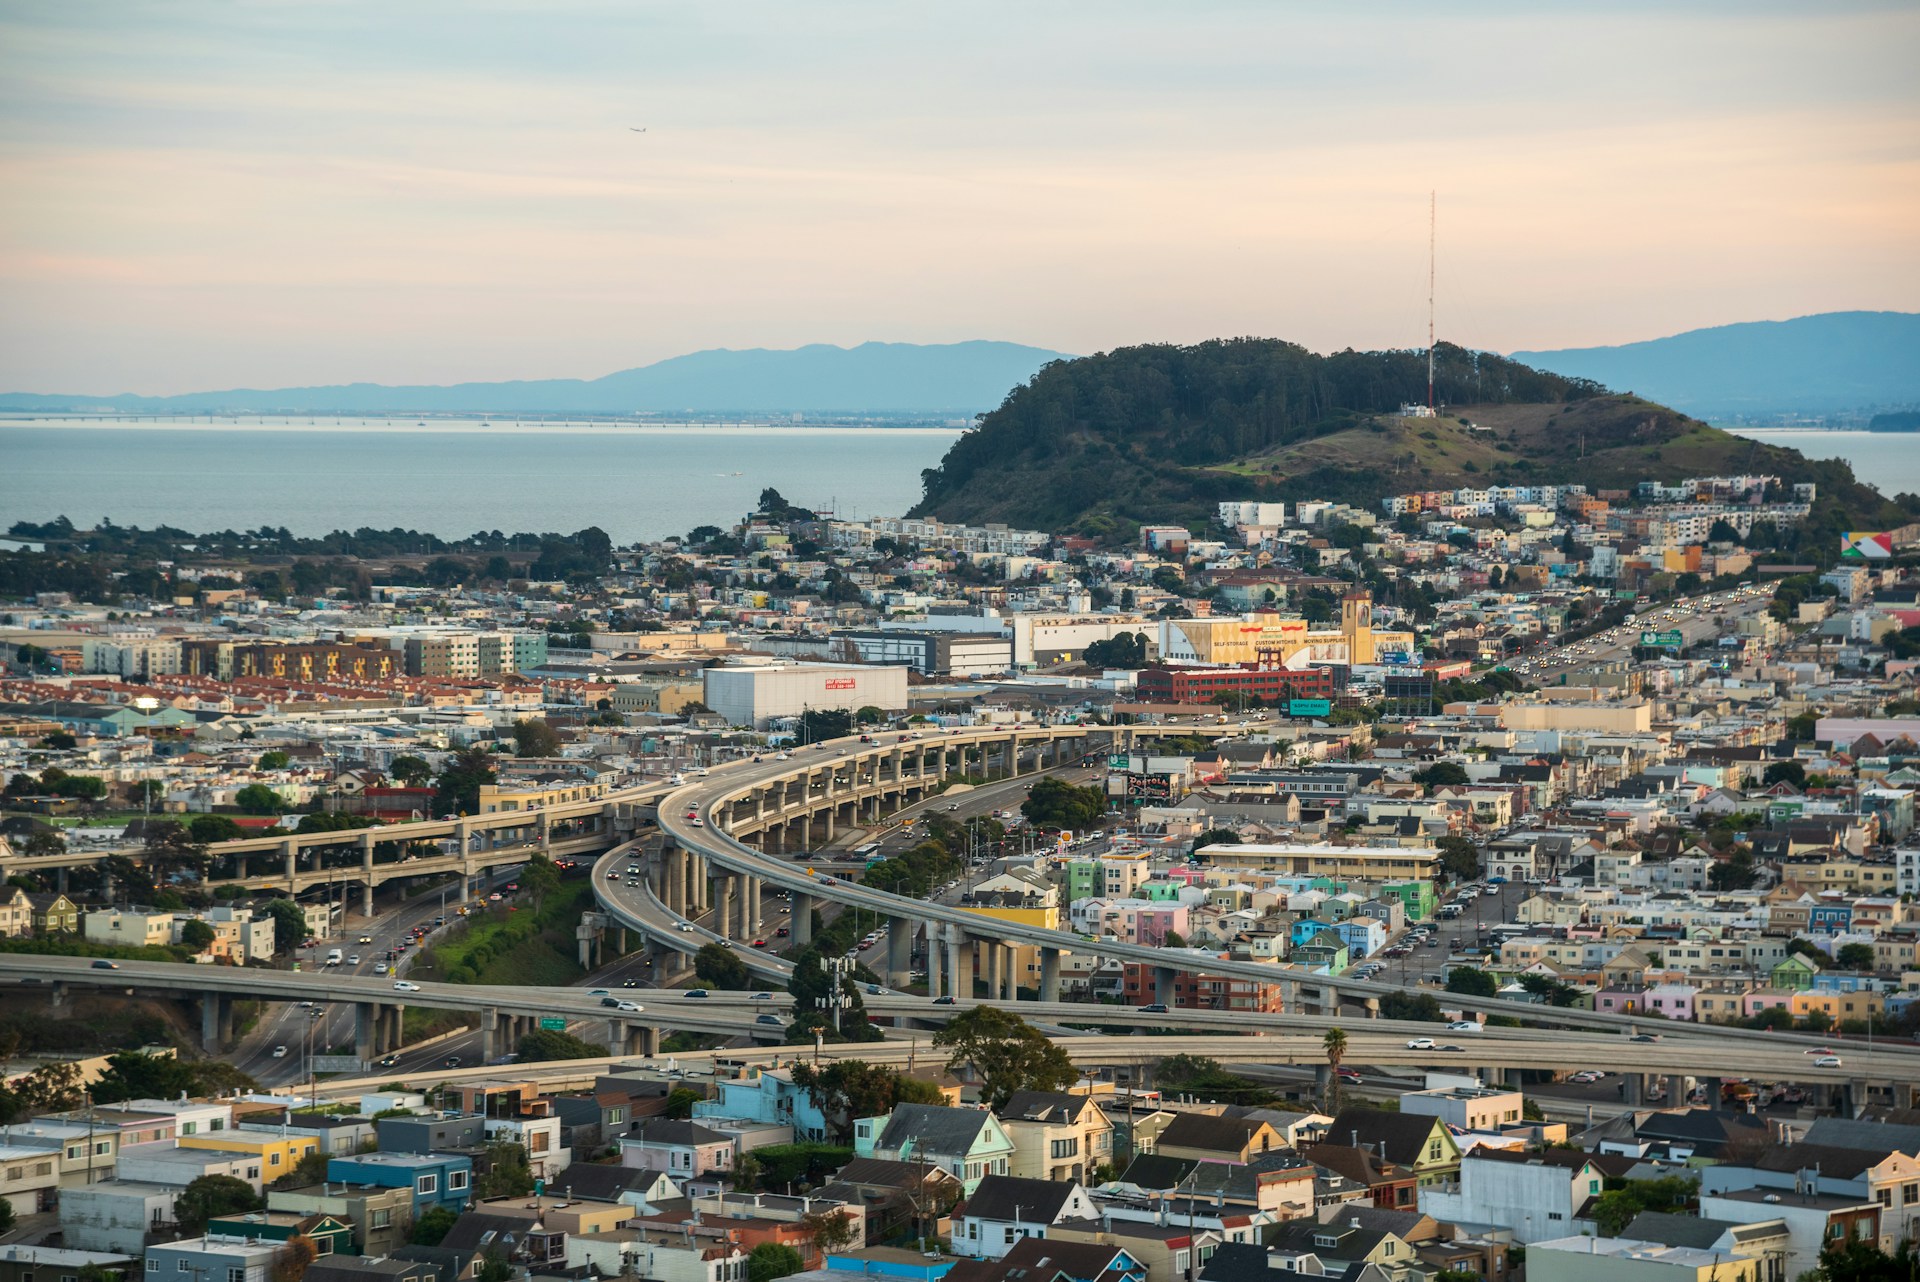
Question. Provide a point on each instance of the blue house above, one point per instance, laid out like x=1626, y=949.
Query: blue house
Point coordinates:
x=770, y=1098
x=1305, y=929
x=437, y=1179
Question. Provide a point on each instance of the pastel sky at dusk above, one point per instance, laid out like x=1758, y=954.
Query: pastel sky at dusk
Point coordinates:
x=199, y=195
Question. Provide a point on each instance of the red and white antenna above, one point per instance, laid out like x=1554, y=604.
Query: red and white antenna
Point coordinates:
x=1431, y=204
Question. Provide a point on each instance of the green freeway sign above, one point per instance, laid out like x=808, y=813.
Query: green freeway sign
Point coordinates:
x=1672, y=640
x=553, y=1023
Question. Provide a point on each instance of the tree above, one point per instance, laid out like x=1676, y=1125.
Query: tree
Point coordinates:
x=1459, y=857
x=59, y=741
x=772, y=1260
x=409, y=770
x=544, y=1045
x=1792, y=772
x=1124, y=650
x=1006, y=1053
x=289, y=924
x=258, y=799
x=1416, y=1006
x=1736, y=872
x=1859, y=1260
x=54, y=1087
x=208, y=1197
x=848, y=1089
x=721, y=967
x=508, y=1174
x=458, y=790
x=680, y=1102
x=830, y=1230
x=824, y=723
x=273, y=759
x=1214, y=837
x=1335, y=1045
x=6, y=1216
x=1439, y=774
x=310, y=1169
x=1060, y=804
x=207, y=829
x=494, y=1267
x=1615, y=1209
x=197, y=935
x=533, y=737
x=433, y=1224
x=293, y=1257
x=1470, y=982
x=1856, y=957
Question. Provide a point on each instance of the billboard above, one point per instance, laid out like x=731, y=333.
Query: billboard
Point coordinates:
x=1309, y=707
x=1868, y=546
x=1672, y=640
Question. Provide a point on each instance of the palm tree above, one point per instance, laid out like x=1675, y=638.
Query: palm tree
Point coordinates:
x=1335, y=1044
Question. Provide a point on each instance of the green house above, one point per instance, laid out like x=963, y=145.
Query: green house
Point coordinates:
x=330, y=1235
x=1794, y=973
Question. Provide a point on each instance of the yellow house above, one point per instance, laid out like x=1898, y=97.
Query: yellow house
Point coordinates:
x=1056, y=1136
x=496, y=798
x=278, y=1154
x=1838, y=1007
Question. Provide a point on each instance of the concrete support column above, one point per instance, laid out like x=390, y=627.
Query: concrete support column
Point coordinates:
x=991, y=963
x=212, y=1007
x=290, y=850
x=642, y=1040
x=724, y=922
x=1163, y=985
x=899, y=952
x=933, y=960
x=366, y=873
x=1012, y=967
x=616, y=1037
x=800, y=920
x=960, y=962
x=365, y=1017
x=60, y=875
x=753, y=908
x=463, y=839
x=1049, y=974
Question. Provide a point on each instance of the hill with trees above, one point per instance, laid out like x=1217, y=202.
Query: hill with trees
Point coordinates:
x=1163, y=433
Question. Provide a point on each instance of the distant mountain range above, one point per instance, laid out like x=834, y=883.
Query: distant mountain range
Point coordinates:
x=905, y=378
x=1823, y=364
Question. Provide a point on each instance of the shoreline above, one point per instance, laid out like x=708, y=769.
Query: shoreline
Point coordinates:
x=464, y=427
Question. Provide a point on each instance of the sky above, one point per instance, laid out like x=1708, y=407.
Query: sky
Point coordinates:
x=199, y=195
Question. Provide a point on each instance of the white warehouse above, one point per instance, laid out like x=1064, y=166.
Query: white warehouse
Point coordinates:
x=753, y=696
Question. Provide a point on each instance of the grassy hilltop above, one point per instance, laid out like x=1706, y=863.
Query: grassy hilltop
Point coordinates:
x=1162, y=433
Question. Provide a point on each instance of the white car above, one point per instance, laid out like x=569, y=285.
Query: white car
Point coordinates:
x=279, y=1052
x=405, y=986
x=1422, y=1044
x=1827, y=1061
x=632, y=1008
x=1463, y=1026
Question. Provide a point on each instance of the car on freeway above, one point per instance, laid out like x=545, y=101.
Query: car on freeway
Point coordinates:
x=451, y=1061
x=1827, y=1061
x=353, y=959
x=279, y=1052
x=684, y=927
x=1464, y=1026
x=1348, y=1075
x=1422, y=1044
x=596, y=992
x=944, y=1001
x=610, y=1002
x=760, y=997
x=1458, y=1050
x=759, y=943
x=696, y=992
x=405, y=986
x=782, y=933
x=1644, y=1037
x=365, y=939
x=389, y=1061
x=613, y=874
x=1154, y=1008
x=1819, y=1050
x=629, y=983
x=632, y=1008
x=103, y=964
x=770, y=1018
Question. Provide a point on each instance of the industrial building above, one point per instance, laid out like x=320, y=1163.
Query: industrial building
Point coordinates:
x=758, y=694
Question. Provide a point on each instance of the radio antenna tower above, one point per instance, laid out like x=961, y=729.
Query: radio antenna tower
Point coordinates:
x=1430, y=226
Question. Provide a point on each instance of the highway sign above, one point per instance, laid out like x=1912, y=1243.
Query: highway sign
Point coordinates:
x=1671, y=640
x=1309, y=707
x=553, y=1023
x=337, y=1064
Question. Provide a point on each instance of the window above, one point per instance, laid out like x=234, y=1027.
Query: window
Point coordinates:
x=236, y=1275
x=426, y=1184
x=381, y=1218
x=153, y=1265
x=181, y=1266
x=273, y=1159
x=456, y=1179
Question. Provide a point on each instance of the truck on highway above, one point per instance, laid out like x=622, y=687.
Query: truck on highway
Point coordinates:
x=335, y=957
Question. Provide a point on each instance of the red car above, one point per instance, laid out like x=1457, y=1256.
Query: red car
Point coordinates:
x=759, y=943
